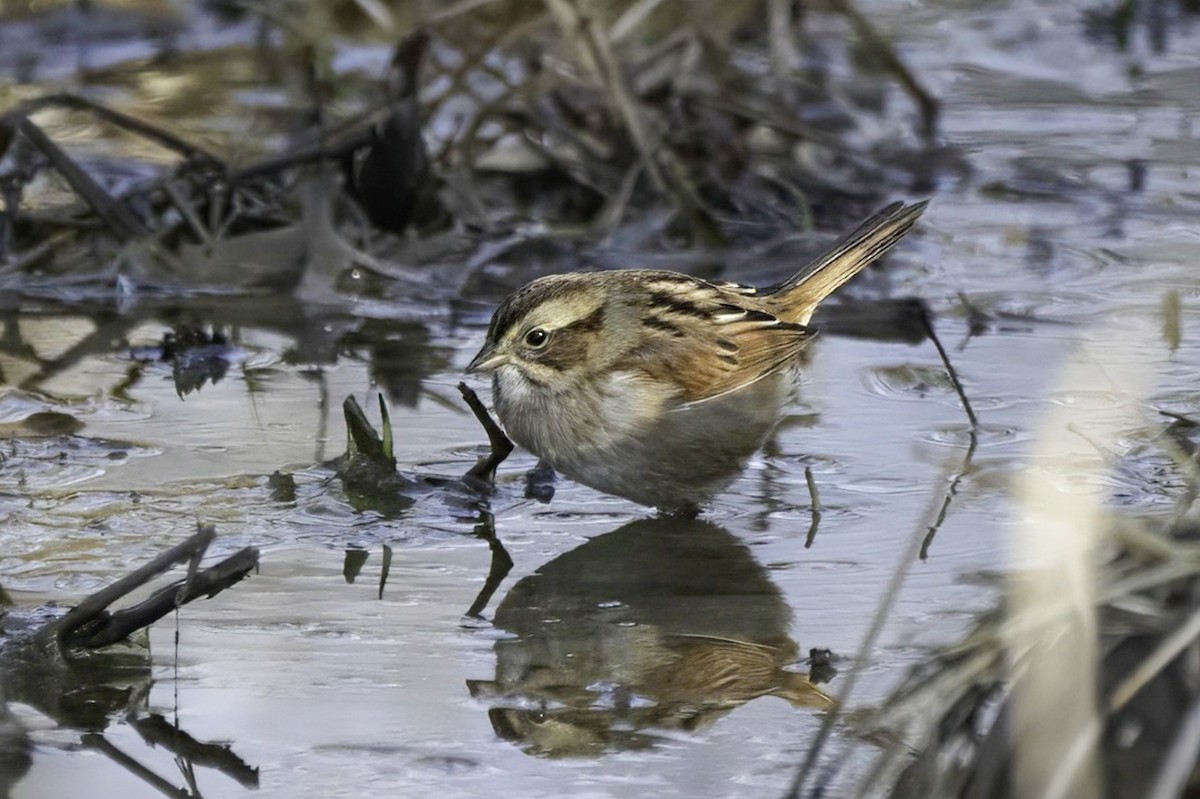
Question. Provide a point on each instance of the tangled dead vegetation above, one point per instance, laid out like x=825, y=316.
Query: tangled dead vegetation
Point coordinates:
x=668, y=124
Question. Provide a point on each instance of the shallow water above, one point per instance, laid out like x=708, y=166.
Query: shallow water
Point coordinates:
x=1078, y=208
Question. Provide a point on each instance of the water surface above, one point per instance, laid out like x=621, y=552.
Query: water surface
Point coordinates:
x=1074, y=205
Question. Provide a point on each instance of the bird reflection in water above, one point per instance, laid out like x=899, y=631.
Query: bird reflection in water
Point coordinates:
x=664, y=624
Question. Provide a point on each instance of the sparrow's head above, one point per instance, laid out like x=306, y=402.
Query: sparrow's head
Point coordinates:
x=546, y=332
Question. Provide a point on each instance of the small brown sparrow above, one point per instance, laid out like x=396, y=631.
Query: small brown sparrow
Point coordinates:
x=657, y=386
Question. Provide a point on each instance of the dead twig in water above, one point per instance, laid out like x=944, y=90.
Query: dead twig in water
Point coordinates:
x=97, y=602
x=927, y=322
x=206, y=583
x=973, y=434
x=501, y=445
x=89, y=625
x=816, y=507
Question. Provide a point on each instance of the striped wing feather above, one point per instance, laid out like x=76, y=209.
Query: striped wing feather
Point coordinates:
x=764, y=346
x=707, y=339
x=744, y=342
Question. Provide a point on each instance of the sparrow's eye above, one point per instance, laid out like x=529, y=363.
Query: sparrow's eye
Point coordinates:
x=536, y=338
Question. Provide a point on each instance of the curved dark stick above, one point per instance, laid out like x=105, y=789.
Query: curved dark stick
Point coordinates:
x=501, y=445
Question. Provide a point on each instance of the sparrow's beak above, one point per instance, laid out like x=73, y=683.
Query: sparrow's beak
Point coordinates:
x=487, y=359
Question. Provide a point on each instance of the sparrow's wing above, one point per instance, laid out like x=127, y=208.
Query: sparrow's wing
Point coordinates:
x=710, y=339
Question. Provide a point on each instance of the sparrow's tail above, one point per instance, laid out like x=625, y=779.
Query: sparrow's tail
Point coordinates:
x=796, y=298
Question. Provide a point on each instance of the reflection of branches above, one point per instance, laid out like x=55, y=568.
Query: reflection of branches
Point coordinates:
x=862, y=657
x=918, y=545
x=502, y=564
x=42, y=668
x=951, y=492
x=94, y=740
x=157, y=731
x=99, y=341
